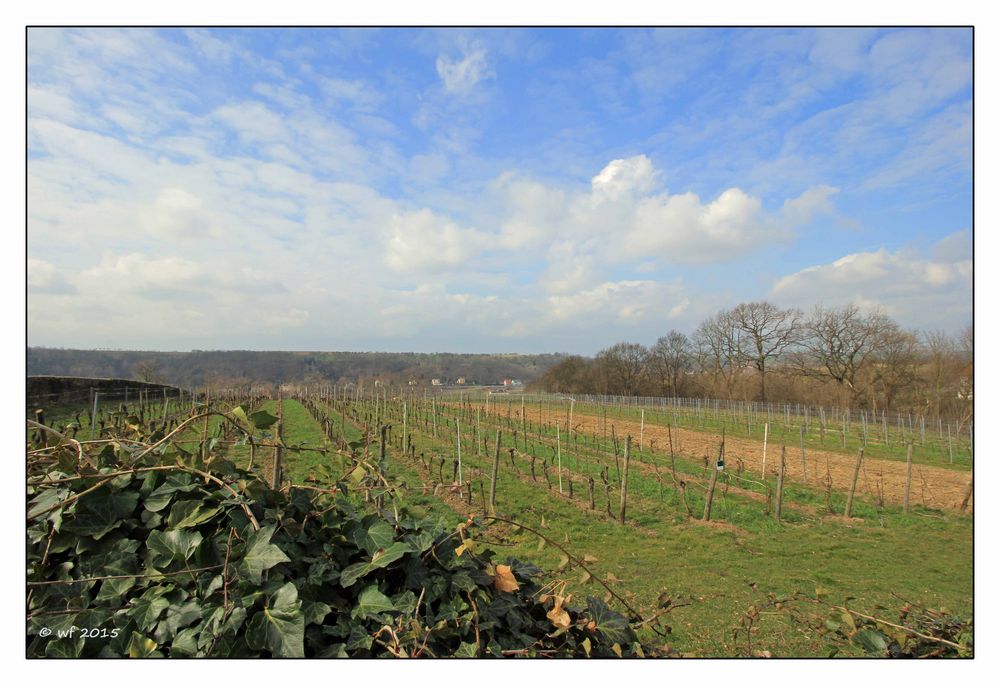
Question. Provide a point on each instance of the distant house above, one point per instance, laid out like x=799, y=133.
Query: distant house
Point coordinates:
x=436, y=381
x=412, y=383
x=507, y=382
x=460, y=381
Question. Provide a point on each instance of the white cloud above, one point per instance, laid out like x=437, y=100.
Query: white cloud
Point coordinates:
x=45, y=278
x=814, y=201
x=176, y=213
x=622, y=220
x=918, y=291
x=623, y=178
x=424, y=241
x=253, y=121
x=682, y=229
x=460, y=76
x=356, y=92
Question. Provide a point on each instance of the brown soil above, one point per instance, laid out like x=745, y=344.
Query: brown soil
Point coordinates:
x=931, y=486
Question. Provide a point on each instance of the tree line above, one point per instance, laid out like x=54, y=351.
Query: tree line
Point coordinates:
x=845, y=356
x=236, y=368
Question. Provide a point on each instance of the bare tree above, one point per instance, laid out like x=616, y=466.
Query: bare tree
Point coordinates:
x=573, y=375
x=719, y=352
x=895, y=364
x=943, y=365
x=766, y=332
x=838, y=343
x=624, y=365
x=670, y=358
x=148, y=371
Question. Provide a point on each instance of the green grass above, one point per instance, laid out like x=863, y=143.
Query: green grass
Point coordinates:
x=923, y=557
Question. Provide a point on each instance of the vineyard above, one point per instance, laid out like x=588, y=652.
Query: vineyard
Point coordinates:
x=345, y=521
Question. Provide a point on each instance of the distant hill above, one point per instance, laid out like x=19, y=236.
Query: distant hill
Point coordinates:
x=196, y=368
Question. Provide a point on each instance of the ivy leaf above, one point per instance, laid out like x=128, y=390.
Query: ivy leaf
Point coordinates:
x=64, y=648
x=189, y=513
x=350, y=575
x=177, y=617
x=173, y=544
x=467, y=650
x=872, y=641
x=314, y=612
x=358, y=638
x=383, y=558
x=141, y=647
x=145, y=611
x=261, y=554
x=378, y=535
x=610, y=624
x=160, y=498
x=101, y=511
x=185, y=643
x=371, y=602
x=284, y=623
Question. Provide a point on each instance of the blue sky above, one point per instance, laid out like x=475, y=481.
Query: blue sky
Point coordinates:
x=488, y=190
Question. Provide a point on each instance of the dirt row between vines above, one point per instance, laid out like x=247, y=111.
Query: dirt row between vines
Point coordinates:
x=931, y=486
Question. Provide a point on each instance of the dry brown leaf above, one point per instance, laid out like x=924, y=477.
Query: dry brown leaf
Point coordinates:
x=558, y=615
x=504, y=580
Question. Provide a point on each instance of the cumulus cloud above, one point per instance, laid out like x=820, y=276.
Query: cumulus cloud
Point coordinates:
x=623, y=219
x=45, y=278
x=924, y=291
x=624, y=178
x=460, y=76
x=424, y=241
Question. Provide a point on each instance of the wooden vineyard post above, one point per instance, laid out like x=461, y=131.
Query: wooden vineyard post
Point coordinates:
x=802, y=446
x=458, y=431
x=909, y=474
x=493, y=477
x=590, y=490
x=642, y=426
x=951, y=457
x=381, y=458
x=854, y=483
x=559, y=458
x=404, y=439
x=343, y=441
x=204, y=430
x=434, y=415
x=968, y=494
x=279, y=454
x=624, y=493
x=707, y=516
x=763, y=459
x=781, y=483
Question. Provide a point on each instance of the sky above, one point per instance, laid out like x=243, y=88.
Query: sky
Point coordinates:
x=488, y=190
